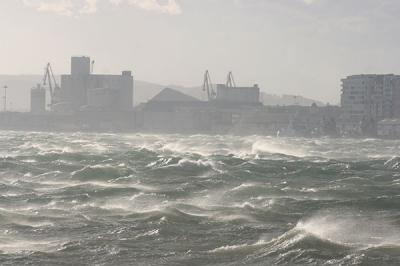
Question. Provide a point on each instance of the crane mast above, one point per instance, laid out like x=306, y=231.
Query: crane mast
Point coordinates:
x=208, y=87
x=230, y=82
x=50, y=80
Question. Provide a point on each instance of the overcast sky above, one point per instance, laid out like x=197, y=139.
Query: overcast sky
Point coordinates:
x=287, y=46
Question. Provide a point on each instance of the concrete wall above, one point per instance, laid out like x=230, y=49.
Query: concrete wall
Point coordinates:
x=76, y=88
x=38, y=100
x=80, y=66
x=238, y=94
x=101, y=98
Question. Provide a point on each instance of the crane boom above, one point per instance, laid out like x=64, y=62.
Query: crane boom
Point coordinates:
x=208, y=87
x=230, y=82
x=50, y=79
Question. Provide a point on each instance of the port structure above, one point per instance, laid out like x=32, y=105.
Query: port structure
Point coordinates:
x=50, y=80
x=230, y=81
x=208, y=87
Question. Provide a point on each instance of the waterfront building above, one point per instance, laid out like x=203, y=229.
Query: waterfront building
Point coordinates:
x=389, y=128
x=84, y=90
x=38, y=100
x=241, y=95
x=371, y=96
x=367, y=99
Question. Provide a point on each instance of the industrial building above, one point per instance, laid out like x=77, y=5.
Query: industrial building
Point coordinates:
x=38, y=100
x=87, y=101
x=243, y=95
x=84, y=101
x=174, y=111
x=229, y=93
x=83, y=90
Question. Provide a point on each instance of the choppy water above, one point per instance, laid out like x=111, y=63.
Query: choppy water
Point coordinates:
x=105, y=199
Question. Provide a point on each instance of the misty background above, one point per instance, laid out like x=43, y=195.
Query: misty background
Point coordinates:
x=298, y=47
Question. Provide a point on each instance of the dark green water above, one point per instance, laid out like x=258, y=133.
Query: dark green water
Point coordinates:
x=105, y=199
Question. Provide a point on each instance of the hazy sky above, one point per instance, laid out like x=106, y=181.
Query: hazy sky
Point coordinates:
x=287, y=46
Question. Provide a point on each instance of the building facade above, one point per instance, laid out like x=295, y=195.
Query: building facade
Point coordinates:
x=243, y=95
x=373, y=97
x=389, y=128
x=366, y=100
x=38, y=100
x=82, y=89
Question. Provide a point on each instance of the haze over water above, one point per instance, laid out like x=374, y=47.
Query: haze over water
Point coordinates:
x=114, y=199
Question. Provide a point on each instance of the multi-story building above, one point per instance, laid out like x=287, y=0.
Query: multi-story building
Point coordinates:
x=391, y=96
x=367, y=99
x=371, y=96
x=82, y=89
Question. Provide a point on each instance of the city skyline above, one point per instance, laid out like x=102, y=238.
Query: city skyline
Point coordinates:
x=199, y=132
x=287, y=47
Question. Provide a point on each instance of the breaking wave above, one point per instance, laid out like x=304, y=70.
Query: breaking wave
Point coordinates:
x=193, y=200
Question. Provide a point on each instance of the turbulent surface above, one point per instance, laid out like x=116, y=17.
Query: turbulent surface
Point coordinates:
x=110, y=199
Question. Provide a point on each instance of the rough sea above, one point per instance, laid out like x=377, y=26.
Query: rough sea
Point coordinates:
x=136, y=199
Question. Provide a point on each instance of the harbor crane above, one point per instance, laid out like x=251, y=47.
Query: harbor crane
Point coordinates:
x=230, y=81
x=208, y=87
x=51, y=81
